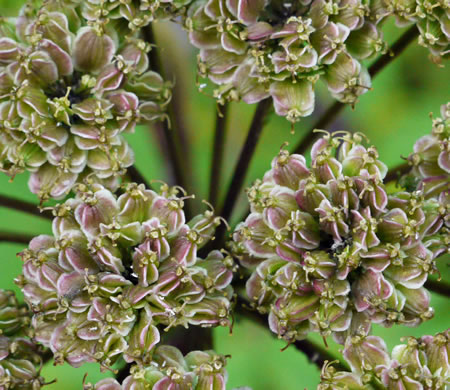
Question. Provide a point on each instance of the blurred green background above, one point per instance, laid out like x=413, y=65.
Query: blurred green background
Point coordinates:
x=393, y=116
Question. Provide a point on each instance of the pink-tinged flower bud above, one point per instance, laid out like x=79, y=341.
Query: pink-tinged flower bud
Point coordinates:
x=347, y=79
x=105, y=384
x=293, y=100
x=92, y=50
x=143, y=338
x=341, y=253
x=330, y=379
x=288, y=169
x=119, y=269
x=365, y=353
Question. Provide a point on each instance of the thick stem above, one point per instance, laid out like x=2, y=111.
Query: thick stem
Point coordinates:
x=315, y=353
x=330, y=115
x=394, y=51
x=192, y=339
x=396, y=172
x=137, y=177
x=318, y=355
x=247, y=151
x=123, y=373
x=26, y=207
x=172, y=135
x=439, y=287
x=16, y=238
x=217, y=154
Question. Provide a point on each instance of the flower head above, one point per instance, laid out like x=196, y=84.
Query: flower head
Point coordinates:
x=431, y=18
x=431, y=158
x=119, y=270
x=421, y=363
x=135, y=14
x=330, y=250
x=171, y=370
x=70, y=88
x=20, y=357
x=253, y=50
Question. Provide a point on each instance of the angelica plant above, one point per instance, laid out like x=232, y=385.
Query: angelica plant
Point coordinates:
x=133, y=278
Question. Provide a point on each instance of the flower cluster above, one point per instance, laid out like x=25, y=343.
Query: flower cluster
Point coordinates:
x=170, y=370
x=421, y=363
x=431, y=158
x=431, y=18
x=135, y=13
x=70, y=88
x=20, y=358
x=118, y=270
x=331, y=251
x=263, y=48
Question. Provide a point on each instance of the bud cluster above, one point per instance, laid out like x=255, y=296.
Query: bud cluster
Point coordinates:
x=253, y=50
x=70, y=87
x=136, y=14
x=20, y=358
x=421, y=363
x=331, y=251
x=118, y=270
x=431, y=158
x=171, y=370
x=431, y=18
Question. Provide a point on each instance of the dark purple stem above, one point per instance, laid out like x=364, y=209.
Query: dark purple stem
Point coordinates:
x=245, y=157
x=396, y=172
x=315, y=353
x=26, y=207
x=137, y=177
x=217, y=154
x=175, y=148
x=16, y=238
x=439, y=287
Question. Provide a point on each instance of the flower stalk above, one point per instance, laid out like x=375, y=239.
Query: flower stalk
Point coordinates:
x=439, y=287
x=16, y=238
x=397, y=171
x=315, y=353
x=171, y=128
x=245, y=157
x=26, y=207
x=217, y=153
x=136, y=176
